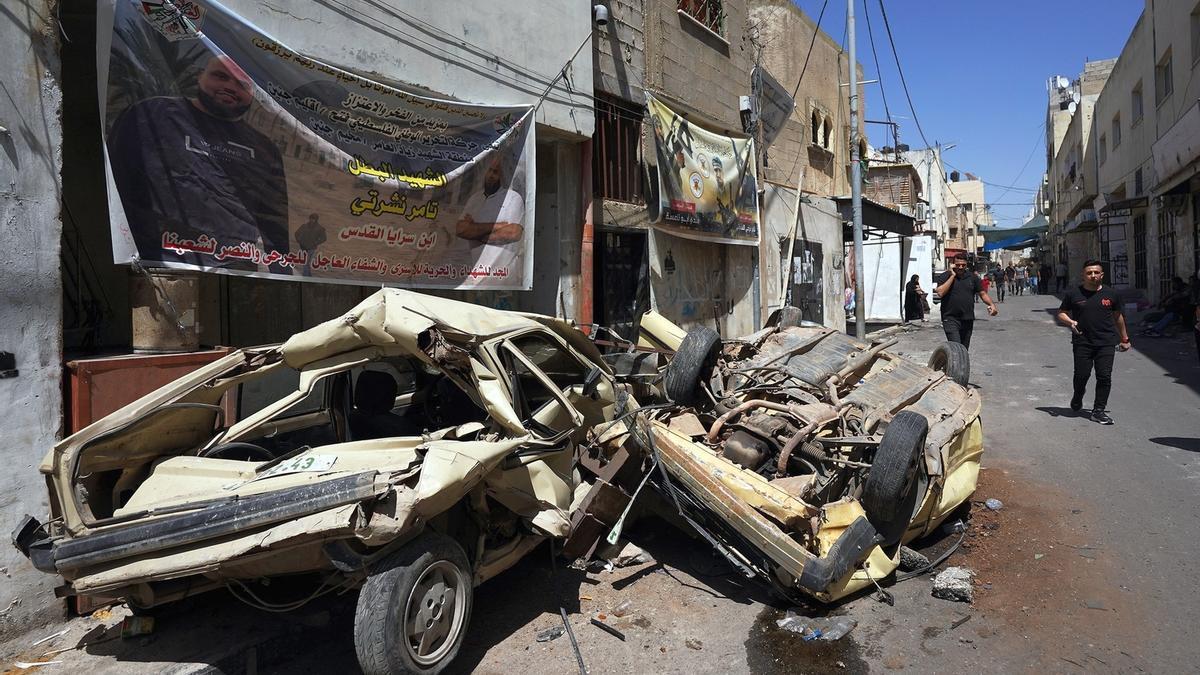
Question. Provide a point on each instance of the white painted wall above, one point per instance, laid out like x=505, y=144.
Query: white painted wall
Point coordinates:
x=482, y=52
x=819, y=222
x=30, y=292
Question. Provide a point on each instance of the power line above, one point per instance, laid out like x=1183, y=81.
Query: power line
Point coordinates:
x=1041, y=137
x=878, y=70
x=903, y=81
x=810, y=49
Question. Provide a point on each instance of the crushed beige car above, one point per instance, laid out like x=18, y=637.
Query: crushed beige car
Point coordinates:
x=416, y=446
x=808, y=458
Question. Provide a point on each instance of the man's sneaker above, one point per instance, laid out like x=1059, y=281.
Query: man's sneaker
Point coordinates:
x=1101, y=417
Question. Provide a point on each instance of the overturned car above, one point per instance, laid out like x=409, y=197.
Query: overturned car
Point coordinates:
x=806, y=457
x=415, y=446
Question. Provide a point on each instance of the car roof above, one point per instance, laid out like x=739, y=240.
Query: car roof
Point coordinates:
x=394, y=317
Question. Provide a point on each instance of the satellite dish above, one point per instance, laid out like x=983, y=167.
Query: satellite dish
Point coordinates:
x=1063, y=82
x=1075, y=97
x=1072, y=107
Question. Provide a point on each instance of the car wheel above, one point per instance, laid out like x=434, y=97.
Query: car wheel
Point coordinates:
x=692, y=363
x=892, y=492
x=952, y=358
x=413, y=610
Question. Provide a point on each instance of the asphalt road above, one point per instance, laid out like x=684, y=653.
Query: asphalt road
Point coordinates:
x=1091, y=565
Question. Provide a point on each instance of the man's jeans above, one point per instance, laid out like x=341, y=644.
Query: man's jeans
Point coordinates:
x=958, y=330
x=1102, y=358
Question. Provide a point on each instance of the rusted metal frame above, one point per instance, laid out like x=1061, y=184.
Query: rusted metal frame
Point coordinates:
x=906, y=398
x=761, y=532
x=798, y=438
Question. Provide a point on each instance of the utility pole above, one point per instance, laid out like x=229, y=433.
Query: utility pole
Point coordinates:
x=860, y=310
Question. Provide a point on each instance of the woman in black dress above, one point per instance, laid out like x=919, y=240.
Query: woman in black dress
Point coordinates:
x=914, y=300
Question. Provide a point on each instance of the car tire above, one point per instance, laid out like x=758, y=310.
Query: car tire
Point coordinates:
x=421, y=592
x=952, y=359
x=892, y=491
x=692, y=364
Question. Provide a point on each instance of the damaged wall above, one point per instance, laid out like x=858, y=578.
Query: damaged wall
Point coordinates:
x=30, y=291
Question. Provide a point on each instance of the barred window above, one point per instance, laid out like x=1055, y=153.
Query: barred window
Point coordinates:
x=709, y=13
x=616, y=164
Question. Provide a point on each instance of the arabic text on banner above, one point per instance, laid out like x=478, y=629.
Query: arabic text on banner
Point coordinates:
x=230, y=152
x=706, y=182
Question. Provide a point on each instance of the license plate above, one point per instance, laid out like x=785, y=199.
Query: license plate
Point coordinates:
x=299, y=465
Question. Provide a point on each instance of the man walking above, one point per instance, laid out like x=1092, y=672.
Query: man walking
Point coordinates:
x=958, y=289
x=1060, y=275
x=1093, y=313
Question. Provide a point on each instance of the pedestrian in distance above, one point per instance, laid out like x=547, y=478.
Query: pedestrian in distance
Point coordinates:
x=1044, y=277
x=914, y=300
x=1093, y=313
x=998, y=282
x=1010, y=276
x=1060, y=275
x=958, y=288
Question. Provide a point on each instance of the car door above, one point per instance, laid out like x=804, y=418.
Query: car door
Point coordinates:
x=538, y=480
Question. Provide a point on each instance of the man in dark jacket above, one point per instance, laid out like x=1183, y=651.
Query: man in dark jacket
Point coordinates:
x=188, y=167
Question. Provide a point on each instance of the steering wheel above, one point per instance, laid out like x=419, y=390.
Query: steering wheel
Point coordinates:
x=246, y=452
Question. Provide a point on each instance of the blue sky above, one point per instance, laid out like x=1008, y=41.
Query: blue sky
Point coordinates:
x=977, y=74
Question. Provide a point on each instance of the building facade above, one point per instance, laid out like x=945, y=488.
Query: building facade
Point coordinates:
x=1133, y=201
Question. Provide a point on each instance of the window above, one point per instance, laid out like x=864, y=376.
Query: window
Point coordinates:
x=1166, y=251
x=1102, y=148
x=816, y=128
x=563, y=369
x=826, y=132
x=1116, y=131
x=540, y=408
x=260, y=392
x=1138, y=185
x=616, y=164
x=707, y=12
x=1141, y=275
x=1135, y=103
x=1164, y=80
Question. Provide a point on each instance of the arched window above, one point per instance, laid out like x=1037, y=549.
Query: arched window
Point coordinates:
x=827, y=131
x=816, y=128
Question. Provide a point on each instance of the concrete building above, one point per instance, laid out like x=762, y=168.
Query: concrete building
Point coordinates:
x=699, y=58
x=1139, y=144
x=967, y=213
x=1072, y=172
x=66, y=313
x=932, y=171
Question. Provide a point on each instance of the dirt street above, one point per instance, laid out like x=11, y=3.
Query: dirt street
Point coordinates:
x=1089, y=566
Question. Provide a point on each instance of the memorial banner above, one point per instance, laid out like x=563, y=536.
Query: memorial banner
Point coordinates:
x=707, y=185
x=229, y=152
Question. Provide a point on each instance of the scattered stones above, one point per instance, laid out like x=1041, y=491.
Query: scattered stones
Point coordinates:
x=552, y=633
x=954, y=583
x=912, y=560
x=994, y=504
x=692, y=643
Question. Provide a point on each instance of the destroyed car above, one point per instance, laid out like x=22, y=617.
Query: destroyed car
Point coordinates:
x=807, y=458
x=415, y=446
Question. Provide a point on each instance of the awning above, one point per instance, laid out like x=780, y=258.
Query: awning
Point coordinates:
x=876, y=217
x=1015, y=238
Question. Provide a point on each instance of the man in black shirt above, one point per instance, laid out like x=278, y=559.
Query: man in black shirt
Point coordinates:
x=1097, y=324
x=957, y=290
x=194, y=166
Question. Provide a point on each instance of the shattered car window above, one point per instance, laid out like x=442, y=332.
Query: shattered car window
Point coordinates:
x=539, y=408
x=563, y=369
x=260, y=392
